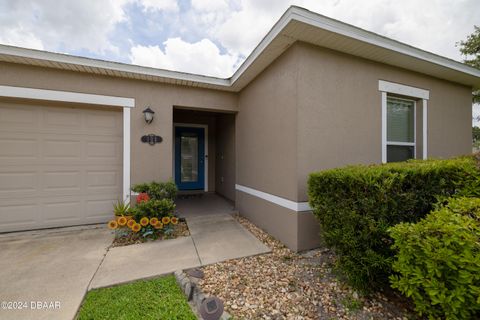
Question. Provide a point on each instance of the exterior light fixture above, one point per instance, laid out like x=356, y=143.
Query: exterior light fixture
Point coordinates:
x=148, y=114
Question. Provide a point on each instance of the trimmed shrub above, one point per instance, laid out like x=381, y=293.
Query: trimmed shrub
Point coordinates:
x=438, y=261
x=356, y=205
x=153, y=208
x=157, y=190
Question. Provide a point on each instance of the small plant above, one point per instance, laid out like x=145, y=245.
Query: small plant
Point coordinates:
x=438, y=261
x=143, y=197
x=121, y=208
x=157, y=190
x=351, y=303
x=154, y=208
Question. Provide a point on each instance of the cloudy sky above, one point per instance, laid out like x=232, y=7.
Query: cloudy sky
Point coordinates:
x=213, y=37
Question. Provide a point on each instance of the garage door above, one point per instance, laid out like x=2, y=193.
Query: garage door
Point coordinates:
x=59, y=165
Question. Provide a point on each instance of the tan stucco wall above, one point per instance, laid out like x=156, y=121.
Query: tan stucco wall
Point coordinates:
x=339, y=111
x=225, y=156
x=266, y=130
x=147, y=162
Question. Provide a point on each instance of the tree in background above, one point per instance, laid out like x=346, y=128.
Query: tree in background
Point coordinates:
x=470, y=48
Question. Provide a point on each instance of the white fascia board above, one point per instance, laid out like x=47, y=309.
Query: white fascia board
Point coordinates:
x=289, y=204
x=404, y=90
x=110, y=65
x=65, y=96
x=351, y=31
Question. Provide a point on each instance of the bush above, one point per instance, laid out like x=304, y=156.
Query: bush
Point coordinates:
x=356, y=205
x=438, y=261
x=157, y=190
x=153, y=209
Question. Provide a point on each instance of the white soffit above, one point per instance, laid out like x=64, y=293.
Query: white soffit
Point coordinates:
x=296, y=24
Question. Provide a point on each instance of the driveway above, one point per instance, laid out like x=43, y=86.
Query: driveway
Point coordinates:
x=50, y=271
x=52, y=267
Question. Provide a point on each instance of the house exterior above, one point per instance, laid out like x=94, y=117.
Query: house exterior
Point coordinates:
x=315, y=94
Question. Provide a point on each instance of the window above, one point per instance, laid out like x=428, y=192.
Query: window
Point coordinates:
x=400, y=129
x=400, y=139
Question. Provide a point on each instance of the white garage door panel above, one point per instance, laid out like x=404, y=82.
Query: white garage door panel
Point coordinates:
x=59, y=166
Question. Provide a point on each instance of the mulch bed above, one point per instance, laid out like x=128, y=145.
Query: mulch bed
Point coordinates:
x=287, y=285
x=124, y=237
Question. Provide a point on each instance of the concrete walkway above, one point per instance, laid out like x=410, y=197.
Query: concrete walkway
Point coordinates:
x=213, y=238
x=59, y=266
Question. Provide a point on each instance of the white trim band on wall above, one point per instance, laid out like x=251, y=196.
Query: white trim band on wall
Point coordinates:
x=65, y=96
x=289, y=204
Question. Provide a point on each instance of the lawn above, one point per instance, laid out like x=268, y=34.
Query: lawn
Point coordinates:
x=160, y=298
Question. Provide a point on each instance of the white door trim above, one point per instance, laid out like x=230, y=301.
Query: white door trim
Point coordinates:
x=193, y=125
x=88, y=99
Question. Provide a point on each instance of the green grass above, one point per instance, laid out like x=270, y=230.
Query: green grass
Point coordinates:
x=159, y=298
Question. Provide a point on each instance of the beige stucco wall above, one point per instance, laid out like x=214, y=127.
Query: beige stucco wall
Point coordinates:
x=339, y=111
x=266, y=130
x=225, y=156
x=147, y=162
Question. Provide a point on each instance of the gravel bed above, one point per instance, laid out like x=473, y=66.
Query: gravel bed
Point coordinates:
x=287, y=285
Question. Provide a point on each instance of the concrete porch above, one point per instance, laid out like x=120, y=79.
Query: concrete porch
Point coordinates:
x=202, y=204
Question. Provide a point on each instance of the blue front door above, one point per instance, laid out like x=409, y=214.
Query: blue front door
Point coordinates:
x=190, y=158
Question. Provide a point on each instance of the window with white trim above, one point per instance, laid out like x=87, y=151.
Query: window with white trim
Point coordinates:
x=400, y=139
x=401, y=129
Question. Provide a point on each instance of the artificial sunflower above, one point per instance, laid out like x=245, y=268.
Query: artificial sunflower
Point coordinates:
x=174, y=220
x=122, y=221
x=166, y=220
x=136, y=227
x=112, y=224
x=131, y=223
x=154, y=221
x=159, y=225
x=144, y=221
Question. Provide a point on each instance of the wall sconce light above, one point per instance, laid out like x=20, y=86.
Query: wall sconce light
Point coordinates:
x=148, y=114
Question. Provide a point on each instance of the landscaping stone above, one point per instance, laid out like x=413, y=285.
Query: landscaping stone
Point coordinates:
x=197, y=296
x=288, y=285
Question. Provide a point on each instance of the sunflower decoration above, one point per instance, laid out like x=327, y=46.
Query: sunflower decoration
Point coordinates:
x=112, y=224
x=154, y=221
x=136, y=227
x=166, y=220
x=144, y=221
x=131, y=223
x=159, y=225
x=122, y=221
x=174, y=220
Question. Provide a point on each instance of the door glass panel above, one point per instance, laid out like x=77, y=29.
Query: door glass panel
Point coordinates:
x=400, y=120
x=399, y=153
x=189, y=157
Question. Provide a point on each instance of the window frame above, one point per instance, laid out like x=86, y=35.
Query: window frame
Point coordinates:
x=405, y=144
x=392, y=88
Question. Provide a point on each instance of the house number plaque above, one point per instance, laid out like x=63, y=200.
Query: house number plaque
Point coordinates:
x=151, y=139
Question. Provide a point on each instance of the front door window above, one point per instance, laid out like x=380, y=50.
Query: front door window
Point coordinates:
x=190, y=158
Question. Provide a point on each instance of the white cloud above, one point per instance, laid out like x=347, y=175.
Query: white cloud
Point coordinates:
x=209, y=5
x=20, y=37
x=159, y=5
x=433, y=25
x=60, y=25
x=202, y=57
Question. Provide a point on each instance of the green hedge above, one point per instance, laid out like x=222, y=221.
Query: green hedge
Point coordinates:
x=356, y=206
x=157, y=190
x=438, y=261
